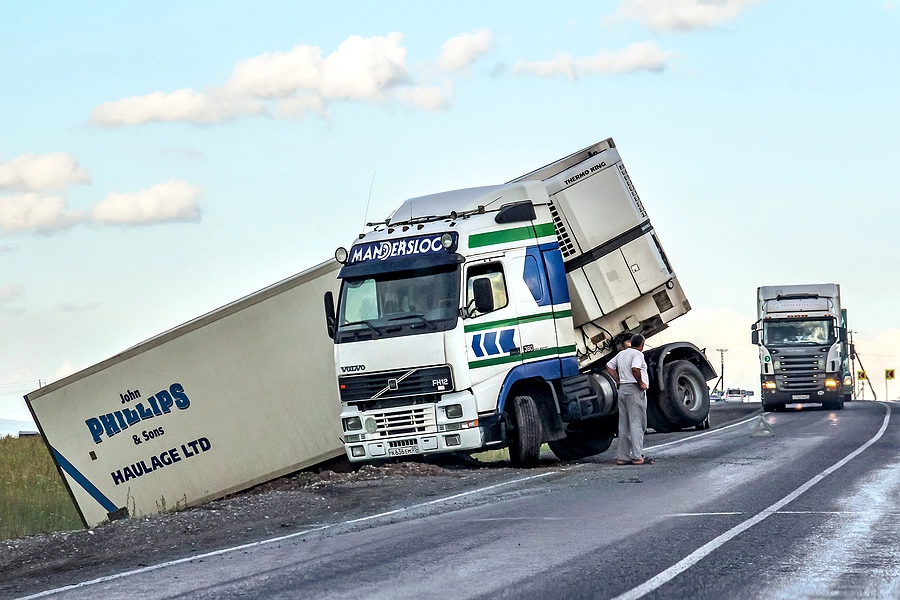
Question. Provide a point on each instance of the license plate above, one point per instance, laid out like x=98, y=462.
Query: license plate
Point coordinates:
x=800, y=397
x=403, y=451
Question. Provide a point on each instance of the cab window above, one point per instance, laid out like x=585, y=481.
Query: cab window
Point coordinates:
x=492, y=272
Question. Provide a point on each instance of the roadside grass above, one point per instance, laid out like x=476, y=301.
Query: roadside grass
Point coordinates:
x=33, y=498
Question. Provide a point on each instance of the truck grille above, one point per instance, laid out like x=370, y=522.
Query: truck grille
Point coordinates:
x=402, y=383
x=565, y=242
x=410, y=421
x=800, y=372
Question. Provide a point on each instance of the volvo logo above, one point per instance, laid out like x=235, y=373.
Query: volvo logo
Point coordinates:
x=353, y=368
x=392, y=384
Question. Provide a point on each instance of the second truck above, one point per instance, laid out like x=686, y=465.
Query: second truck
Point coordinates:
x=804, y=356
x=483, y=318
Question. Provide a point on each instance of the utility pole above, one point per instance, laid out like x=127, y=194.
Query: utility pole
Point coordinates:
x=721, y=379
x=853, y=362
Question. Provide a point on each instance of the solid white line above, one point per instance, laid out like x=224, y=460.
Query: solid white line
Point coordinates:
x=697, y=555
x=709, y=514
x=349, y=522
x=280, y=538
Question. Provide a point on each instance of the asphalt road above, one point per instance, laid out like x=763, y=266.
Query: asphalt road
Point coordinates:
x=811, y=512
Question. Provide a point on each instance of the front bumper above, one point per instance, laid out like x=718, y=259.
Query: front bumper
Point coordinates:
x=463, y=439
x=417, y=429
x=804, y=397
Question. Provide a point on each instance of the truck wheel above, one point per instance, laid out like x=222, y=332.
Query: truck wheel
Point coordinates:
x=525, y=449
x=685, y=402
x=580, y=444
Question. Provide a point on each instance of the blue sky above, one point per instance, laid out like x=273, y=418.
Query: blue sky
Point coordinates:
x=158, y=161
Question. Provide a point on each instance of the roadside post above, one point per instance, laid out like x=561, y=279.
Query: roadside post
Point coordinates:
x=888, y=376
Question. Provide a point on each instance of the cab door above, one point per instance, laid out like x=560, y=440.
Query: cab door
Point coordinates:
x=493, y=340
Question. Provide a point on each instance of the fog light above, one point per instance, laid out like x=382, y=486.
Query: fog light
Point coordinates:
x=357, y=451
x=452, y=440
x=340, y=255
x=352, y=423
x=447, y=241
x=830, y=383
x=768, y=385
x=454, y=411
x=371, y=425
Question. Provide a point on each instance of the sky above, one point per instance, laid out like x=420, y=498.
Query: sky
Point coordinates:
x=160, y=160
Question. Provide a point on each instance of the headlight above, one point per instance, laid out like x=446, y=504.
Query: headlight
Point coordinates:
x=831, y=383
x=352, y=424
x=848, y=380
x=768, y=385
x=454, y=411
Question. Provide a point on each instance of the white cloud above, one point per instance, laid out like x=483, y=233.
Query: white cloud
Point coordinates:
x=644, y=56
x=302, y=80
x=171, y=202
x=76, y=306
x=430, y=98
x=30, y=211
x=41, y=172
x=10, y=291
x=889, y=5
x=680, y=15
x=460, y=52
x=67, y=368
x=181, y=105
x=8, y=248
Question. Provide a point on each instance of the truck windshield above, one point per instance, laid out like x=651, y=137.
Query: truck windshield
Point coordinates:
x=399, y=303
x=795, y=332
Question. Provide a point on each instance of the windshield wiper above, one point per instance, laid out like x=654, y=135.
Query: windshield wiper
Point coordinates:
x=418, y=316
x=366, y=323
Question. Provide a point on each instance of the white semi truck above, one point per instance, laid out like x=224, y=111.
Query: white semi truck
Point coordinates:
x=234, y=398
x=803, y=352
x=484, y=317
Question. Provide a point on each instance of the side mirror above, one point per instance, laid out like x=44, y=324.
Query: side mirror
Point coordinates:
x=483, y=295
x=329, y=313
x=853, y=351
x=754, y=337
x=842, y=334
x=753, y=327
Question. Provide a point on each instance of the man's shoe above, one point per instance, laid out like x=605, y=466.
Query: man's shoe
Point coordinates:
x=644, y=460
x=622, y=463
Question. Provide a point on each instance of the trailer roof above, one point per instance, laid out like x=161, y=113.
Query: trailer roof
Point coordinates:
x=193, y=325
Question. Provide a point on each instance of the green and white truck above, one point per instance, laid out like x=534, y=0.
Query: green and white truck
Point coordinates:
x=482, y=318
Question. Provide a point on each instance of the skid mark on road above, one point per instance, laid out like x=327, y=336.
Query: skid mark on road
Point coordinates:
x=699, y=554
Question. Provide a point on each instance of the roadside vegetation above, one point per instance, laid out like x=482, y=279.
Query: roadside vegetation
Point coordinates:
x=33, y=498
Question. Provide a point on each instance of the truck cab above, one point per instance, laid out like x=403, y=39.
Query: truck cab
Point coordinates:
x=802, y=345
x=484, y=317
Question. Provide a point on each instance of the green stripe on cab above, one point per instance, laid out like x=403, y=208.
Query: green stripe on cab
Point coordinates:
x=504, y=236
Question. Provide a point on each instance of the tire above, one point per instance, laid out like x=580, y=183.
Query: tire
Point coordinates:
x=834, y=404
x=656, y=421
x=685, y=402
x=525, y=447
x=580, y=444
x=769, y=407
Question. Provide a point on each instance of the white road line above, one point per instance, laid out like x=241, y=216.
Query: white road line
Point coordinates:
x=709, y=514
x=705, y=550
x=279, y=538
x=349, y=522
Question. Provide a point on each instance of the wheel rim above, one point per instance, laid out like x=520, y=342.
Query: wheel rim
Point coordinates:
x=689, y=393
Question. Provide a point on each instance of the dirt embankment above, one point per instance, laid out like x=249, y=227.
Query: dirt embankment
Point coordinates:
x=276, y=508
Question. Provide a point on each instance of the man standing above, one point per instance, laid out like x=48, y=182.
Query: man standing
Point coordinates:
x=629, y=370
